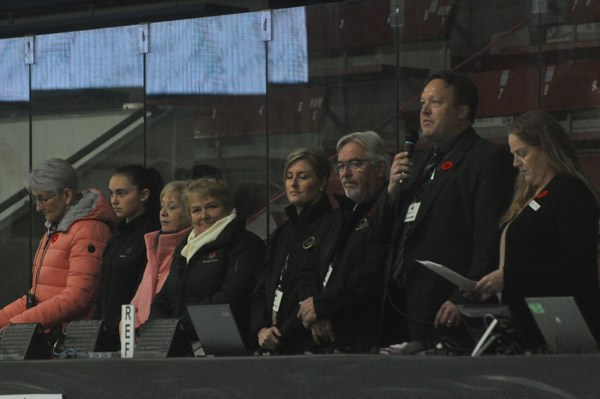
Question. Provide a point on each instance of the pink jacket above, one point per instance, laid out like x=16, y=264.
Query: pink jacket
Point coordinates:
x=159, y=251
x=66, y=269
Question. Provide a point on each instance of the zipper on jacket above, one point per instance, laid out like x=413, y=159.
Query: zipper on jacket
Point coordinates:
x=41, y=260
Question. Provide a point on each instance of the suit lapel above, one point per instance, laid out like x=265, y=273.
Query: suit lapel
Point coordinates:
x=446, y=168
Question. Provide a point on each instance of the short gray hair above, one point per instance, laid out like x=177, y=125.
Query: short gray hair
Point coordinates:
x=371, y=142
x=54, y=175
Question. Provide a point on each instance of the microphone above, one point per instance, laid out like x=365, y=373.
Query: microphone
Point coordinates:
x=410, y=141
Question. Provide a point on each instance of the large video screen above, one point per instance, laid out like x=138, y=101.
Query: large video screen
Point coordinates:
x=14, y=85
x=225, y=54
x=99, y=58
x=215, y=55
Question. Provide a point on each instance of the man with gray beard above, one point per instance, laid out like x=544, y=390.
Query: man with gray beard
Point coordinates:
x=344, y=314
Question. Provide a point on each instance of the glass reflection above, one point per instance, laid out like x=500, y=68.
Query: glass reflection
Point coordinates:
x=14, y=149
x=87, y=99
x=207, y=81
x=332, y=69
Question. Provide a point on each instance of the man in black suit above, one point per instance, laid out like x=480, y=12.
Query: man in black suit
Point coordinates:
x=442, y=205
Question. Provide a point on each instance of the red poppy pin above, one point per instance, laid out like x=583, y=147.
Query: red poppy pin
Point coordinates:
x=54, y=238
x=542, y=194
x=212, y=254
x=447, y=165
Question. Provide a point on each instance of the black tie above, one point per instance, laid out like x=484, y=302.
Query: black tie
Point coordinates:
x=433, y=160
x=399, y=274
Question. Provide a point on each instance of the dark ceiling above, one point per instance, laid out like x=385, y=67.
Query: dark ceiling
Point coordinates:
x=28, y=17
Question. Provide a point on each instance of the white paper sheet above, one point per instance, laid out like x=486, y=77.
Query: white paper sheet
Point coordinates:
x=450, y=275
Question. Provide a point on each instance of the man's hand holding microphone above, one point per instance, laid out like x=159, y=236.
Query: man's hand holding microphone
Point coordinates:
x=401, y=168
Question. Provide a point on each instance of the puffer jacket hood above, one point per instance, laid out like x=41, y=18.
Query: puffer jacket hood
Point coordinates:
x=90, y=206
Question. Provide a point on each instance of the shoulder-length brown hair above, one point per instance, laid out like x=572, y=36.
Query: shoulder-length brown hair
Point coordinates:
x=539, y=129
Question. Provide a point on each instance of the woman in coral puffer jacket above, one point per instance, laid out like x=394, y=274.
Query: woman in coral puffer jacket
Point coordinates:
x=66, y=267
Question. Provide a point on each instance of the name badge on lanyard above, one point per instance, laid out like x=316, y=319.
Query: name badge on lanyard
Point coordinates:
x=411, y=213
x=326, y=279
x=279, y=291
x=534, y=205
x=277, y=300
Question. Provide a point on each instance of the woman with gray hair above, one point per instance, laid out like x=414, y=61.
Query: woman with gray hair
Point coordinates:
x=66, y=267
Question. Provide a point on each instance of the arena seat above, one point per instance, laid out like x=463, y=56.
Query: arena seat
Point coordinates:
x=428, y=20
x=580, y=11
x=506, y=92
x=352, y=25
x=349, y=25
x=571, y=86
x=293, y=109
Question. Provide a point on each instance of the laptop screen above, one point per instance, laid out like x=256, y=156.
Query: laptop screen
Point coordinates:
x=217, y=330
x=562, y=325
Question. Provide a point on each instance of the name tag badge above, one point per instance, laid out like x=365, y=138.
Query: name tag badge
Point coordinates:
x=277, y=300
x=411, y=213
x=534, y=205
x=326, y=279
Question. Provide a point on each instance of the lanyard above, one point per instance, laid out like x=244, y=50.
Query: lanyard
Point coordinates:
x=279, y=292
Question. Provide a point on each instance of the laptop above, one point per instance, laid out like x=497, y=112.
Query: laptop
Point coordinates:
x=562, y=325
x=217, y=330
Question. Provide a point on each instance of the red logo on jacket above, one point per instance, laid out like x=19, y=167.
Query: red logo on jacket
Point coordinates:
x=542, y=194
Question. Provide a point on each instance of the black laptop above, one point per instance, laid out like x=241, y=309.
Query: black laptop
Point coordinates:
x=217, y=330
x=562, y=325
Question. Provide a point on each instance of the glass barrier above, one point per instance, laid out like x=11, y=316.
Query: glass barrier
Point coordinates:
x=87, y=101
x=14, y=135
x=569, y=39
x=350, y=85
x=87, y=105
x=231, y=96
x=206, y=89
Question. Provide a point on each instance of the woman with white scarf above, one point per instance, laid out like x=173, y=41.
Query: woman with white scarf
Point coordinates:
x=217, y=263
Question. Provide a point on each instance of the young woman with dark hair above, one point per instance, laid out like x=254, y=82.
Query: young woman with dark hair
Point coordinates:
x=135, y=198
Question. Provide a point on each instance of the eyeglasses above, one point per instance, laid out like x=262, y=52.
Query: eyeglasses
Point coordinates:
x=41, y=200
x=354, y=164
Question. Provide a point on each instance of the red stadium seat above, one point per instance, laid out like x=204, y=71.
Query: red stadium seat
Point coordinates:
x=354, y=25
x=506, y=92
x=294, y=109
x=571, y=86
x=583, y=11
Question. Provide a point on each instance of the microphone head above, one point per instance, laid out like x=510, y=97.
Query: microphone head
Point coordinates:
x=410, y=141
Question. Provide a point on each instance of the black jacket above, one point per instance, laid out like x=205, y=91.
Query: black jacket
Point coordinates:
x=123, y=266
x=551, y=251
x=223, y=271
x=351, y=299
x=294, y=240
